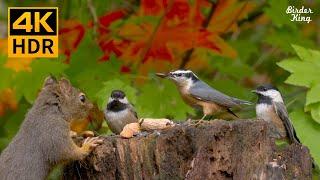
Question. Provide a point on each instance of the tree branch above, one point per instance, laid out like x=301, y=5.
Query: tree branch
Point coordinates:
x=93, y=13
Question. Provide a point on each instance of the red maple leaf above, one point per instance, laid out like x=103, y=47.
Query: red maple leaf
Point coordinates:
x=71, y=33
x=180, y=28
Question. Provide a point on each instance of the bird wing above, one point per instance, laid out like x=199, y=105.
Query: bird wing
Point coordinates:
x=204, y=92
x=131, y=107
x=113, y=127
x=282, y=112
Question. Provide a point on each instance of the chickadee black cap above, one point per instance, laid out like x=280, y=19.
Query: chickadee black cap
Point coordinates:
x=118, y=94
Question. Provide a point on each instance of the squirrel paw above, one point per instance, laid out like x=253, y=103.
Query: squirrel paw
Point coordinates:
x=90, y=143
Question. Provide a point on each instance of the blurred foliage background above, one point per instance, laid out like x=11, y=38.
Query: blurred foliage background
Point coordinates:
x=233, y=45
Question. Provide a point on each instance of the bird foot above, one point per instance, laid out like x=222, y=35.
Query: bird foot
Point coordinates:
x=195, y=122
x=199, y=122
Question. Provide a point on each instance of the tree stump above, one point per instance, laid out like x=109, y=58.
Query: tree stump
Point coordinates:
x=241, y=149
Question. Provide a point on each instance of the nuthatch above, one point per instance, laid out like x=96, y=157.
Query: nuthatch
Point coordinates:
x=271, y=108
x=119, y=112
x=198, y=94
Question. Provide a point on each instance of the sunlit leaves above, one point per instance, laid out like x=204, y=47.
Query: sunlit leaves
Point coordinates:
x=304, y=71
x=313, y=95
x=227, y=13
x=164, y=30
x=308, y=131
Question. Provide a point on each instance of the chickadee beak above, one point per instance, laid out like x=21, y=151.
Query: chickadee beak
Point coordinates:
x=255, y=91
x=163, y=75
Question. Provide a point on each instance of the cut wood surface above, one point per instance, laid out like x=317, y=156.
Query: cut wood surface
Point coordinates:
x=217, y=149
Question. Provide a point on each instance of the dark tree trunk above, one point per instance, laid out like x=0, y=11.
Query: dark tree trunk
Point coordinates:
x=218, y=149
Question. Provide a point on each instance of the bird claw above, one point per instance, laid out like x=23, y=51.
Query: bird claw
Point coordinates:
x=195, y=122
x=199, y=122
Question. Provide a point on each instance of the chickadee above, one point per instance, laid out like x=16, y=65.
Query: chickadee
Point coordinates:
x=119, y=112
x=271, y=108
x=198, y=94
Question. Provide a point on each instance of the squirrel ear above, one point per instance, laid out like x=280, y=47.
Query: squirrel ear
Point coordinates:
x=65, y=86
x=49, y=81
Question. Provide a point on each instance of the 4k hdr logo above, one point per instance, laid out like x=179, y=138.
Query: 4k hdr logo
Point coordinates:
x=32, y=32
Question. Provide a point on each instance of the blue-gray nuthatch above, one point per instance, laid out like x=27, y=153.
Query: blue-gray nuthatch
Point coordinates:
x=119, y=112
x=198, y=94
x=270, y=107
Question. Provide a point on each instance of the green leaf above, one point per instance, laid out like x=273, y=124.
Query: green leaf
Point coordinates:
x=305, y=72
x=308, y=55
x=245, y=48
x=303, y=79
x=308, y=131
x=282, y=38
x=277, y=12
x=10, y=123
x=290, y=64
x=116, y=84
x=231, y=88
x=313, y=95
x=14, y=119
x=28, y=84
x=143, y=19
x=315, y=112
x=159, y=100
x=116, y=24
x=3, y=143
x=5, y=74
x=235, y=69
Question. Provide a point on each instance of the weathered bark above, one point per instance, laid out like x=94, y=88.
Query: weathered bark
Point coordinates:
x=218, y=149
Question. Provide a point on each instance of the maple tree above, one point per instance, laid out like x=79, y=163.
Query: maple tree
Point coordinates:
x=159, y=31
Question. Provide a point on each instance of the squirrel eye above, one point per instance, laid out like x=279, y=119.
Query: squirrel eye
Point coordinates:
x=82, y=98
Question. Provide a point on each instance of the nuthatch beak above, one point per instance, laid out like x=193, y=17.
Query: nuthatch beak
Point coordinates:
x=163, y=75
